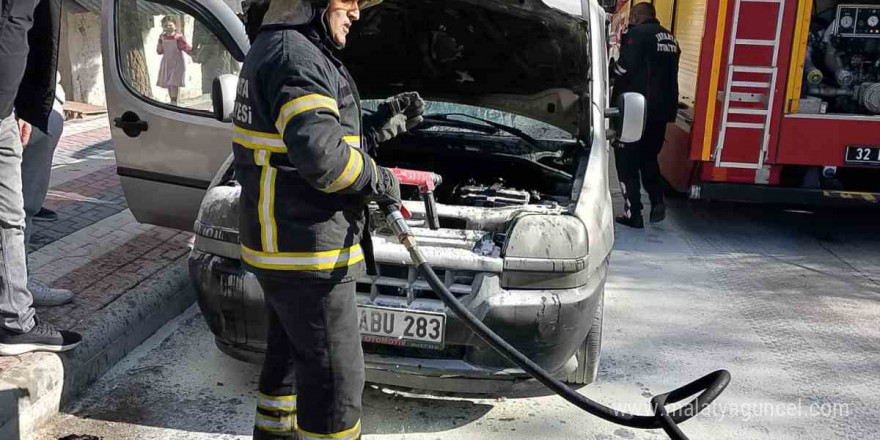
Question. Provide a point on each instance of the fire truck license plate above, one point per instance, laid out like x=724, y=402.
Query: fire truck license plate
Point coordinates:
x=864, y=155
x=405, y=328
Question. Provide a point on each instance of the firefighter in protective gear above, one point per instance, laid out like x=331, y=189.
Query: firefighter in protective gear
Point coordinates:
x=302, y=157
x=648, y=65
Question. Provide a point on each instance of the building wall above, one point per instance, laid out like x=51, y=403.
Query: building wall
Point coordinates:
x=80, y=60
x=83, y=32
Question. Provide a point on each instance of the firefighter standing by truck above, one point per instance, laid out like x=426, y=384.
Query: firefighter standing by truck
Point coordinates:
x=648, y=65
x=303, y=159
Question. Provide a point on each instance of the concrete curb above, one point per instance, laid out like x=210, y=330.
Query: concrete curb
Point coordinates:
x=33, y=390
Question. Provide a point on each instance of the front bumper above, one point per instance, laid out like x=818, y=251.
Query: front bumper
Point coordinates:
x=548, y=326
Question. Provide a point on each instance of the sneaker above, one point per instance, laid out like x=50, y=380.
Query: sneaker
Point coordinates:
x=634, y=222
x=47, y=296
x=45, y=215
x=658, y=213
x=43, y=337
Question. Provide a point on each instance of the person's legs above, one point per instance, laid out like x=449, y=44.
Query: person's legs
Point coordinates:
x=172, y=94
x=36, y=169
x=627, y=161
x=321, y=322
x=16, y=313
x=276, y=403
x=20, y=330
x=655, y=132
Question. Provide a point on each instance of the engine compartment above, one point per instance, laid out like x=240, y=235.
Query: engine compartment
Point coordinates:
x=488, y=181
x=842, y=61
x=487, y=171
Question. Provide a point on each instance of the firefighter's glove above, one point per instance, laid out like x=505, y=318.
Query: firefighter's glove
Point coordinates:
x=387, y=191
x=396, y=115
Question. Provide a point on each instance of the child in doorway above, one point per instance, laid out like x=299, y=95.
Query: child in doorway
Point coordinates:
x=172, y=70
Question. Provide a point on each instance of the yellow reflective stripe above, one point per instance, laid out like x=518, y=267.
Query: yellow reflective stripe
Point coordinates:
x=266, y=207
x=258, y=140
x=277, y=403
x=322, y=260
x=348, y=434
x=350, y=173
x=355, y=142
x=799, y=49
x=303, y=104
x=276, y=424
x=352, y=141
x=868, y=197
x=375, y=171
x=713, y=80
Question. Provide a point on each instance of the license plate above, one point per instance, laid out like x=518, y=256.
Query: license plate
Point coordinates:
x=862, y=154
x=405, y=328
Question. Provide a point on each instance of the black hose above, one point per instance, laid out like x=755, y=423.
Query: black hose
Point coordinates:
x=431, y=210
x=711, y=385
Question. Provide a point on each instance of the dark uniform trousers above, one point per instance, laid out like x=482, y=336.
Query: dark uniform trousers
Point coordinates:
x=640, y=159
x=313, y=375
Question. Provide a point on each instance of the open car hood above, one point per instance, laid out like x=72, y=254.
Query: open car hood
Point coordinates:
x=518, y=56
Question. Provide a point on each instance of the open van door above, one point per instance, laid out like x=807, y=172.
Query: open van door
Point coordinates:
x=160, y=57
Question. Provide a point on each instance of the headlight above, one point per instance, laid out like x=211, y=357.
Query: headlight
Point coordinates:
x=546, y=252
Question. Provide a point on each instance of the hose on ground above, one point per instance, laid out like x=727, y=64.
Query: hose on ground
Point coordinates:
x=709, y=386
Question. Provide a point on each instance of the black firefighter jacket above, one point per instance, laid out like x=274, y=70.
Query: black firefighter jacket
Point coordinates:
x=304, y=175
x=648, y=65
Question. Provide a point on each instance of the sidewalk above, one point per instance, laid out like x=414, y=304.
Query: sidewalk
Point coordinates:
x=128, y=279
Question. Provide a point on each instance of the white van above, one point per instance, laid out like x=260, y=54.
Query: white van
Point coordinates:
x=516, y=126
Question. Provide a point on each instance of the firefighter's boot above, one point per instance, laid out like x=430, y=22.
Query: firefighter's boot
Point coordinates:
x=634, y=222
x=658, y=213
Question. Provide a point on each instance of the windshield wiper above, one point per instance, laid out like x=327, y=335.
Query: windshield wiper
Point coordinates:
x=441, y=118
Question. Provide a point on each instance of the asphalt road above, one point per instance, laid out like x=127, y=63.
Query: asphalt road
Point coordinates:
x=789, y=302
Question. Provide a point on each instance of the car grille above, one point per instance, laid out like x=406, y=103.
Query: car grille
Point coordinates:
x=407, y=282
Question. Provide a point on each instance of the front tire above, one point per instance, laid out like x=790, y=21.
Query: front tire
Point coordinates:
x=588, y=353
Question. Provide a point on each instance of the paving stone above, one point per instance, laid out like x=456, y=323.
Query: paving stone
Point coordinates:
x=78, y=207
x=123, y=273
x=94, y=225
x=96, y=248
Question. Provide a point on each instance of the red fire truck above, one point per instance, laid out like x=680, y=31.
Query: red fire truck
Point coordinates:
x=780, y=100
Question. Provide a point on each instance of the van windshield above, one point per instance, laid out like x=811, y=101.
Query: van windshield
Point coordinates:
x=529, y=126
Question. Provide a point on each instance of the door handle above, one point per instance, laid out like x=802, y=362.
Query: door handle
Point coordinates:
x=131, y=124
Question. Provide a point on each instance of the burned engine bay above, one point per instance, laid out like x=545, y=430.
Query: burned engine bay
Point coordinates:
x=842, y=61
x=487, y=181
x=487, y=171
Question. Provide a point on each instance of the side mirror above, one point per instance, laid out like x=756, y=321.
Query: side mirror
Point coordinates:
x=627, y=117
x=223, y=96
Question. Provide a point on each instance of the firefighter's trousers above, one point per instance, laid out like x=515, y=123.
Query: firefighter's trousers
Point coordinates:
x=639, y=159
x=313, y=375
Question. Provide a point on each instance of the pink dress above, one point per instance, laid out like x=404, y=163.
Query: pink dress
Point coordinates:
x=172, y=70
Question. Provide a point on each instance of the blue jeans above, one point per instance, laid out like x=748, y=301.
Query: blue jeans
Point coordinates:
x=16, y=313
